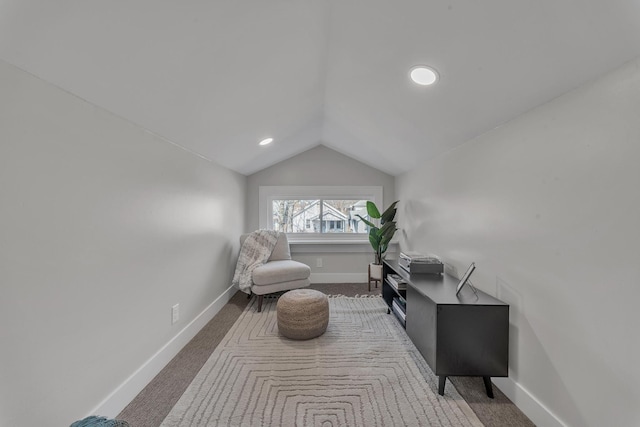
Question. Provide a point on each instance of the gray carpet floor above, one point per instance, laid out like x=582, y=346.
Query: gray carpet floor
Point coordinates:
x=153, y=403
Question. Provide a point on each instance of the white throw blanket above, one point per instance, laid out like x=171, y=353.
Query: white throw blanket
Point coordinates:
x=255, y=251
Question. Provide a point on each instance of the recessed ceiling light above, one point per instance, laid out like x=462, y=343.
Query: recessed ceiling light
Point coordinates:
x=266, y=141
x=423, y=75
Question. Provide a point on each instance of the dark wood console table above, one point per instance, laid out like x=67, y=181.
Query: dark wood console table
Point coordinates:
x=464, y=335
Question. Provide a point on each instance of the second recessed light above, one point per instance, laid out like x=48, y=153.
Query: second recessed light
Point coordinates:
x=423, y=75
x=266, y=141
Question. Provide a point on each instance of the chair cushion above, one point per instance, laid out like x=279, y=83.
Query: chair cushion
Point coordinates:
x=280, y=271
x=279, y=287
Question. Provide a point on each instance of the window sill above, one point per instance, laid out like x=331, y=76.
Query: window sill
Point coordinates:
x=327, y=241
x=335, y=246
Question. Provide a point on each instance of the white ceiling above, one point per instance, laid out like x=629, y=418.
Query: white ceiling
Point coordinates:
x=216, y=76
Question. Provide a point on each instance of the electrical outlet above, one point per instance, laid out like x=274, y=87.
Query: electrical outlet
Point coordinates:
x=319, y=262
x=175, y=313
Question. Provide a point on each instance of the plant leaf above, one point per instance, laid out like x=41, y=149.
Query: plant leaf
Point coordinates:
x=385, y=239
x=369, y=223
x=374, y=239
x=372, y=210
x=389, y=213
x=389, y=227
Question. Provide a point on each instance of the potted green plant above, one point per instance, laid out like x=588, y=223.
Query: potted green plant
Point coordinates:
x=380, y=234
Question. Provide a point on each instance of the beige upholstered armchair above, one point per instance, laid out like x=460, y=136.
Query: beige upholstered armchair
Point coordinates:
x=280, y=273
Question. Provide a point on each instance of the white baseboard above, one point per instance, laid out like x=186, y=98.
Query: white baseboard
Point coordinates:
x=129, y=389
x=338, y=278
x=539, y=414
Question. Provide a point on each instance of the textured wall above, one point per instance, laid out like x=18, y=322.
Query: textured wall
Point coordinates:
x=104, y=227
x=548, y=207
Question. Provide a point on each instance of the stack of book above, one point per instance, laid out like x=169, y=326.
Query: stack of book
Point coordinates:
x=414, y=262
x=399, y=308
x=397, y=282
x=420, y=258
x=401, y=303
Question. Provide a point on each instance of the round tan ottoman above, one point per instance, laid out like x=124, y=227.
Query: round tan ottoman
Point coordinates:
x=303, y=314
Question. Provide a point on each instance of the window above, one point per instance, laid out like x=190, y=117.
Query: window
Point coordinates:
x=317, y=212
x=318, y=215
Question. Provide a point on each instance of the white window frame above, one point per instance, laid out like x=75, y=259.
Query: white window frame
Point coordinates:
x=267, y=194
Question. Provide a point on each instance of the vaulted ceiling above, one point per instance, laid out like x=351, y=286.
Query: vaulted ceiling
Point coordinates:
x=217, y=76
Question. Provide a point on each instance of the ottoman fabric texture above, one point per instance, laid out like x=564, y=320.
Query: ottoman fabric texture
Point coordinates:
x=303, y=314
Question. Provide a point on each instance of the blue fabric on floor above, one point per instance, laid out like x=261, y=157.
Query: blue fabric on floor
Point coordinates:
x=94, y=421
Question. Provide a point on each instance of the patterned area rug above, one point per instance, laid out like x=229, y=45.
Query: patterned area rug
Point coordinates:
x=364, y=371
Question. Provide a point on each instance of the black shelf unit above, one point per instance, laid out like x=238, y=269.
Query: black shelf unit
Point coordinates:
x=464, y=335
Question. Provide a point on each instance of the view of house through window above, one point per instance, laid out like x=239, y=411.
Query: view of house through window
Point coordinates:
x=317, y=213
x=319, y=216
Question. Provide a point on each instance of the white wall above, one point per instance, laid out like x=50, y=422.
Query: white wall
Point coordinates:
x=548, y=207
x=103, y=227
x=316, y=167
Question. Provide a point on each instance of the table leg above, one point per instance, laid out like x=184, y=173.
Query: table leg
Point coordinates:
x=442, y=379
x=488, y=386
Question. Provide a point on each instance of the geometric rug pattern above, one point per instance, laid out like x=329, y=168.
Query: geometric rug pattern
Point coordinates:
x=363, y=371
